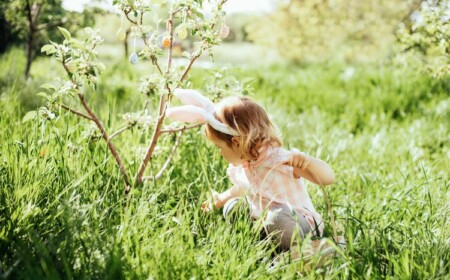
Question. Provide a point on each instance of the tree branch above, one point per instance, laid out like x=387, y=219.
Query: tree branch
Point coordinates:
x=76, y=112
x=169, y=56
x=37, y=10
x=173, y=130
x=119, y=132
x=153, y=58
x=51, y=24
x=191, y=62
x=155, y=62
x=111, y=146
x=162, y=104
x=169, y=159
x=126, y=14
x=29, y=16
x=200, y=50
x=102, y=129
x=155, y=136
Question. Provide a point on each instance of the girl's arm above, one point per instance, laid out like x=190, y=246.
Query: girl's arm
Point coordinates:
x=311, y=168
x=219, y=199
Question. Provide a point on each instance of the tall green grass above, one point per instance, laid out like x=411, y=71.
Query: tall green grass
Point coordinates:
x=385, y=131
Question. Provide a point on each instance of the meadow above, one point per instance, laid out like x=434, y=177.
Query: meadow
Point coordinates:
x=383, y=128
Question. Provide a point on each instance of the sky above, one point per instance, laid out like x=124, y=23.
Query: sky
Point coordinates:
x=232, y=6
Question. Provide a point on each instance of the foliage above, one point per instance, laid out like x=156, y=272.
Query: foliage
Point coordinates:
x=428, y=32
x=35, y=21
x=6, y=34
x=383, y=130
x=316, y=30
x=79, y=59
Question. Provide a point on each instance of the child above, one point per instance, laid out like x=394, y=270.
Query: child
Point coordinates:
x=263, y=172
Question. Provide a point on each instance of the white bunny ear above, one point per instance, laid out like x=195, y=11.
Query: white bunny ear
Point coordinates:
x=197, y=109
x=193, y=97
x=191, y=113
x=186, y=113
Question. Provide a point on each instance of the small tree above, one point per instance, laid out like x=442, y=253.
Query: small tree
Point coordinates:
x=427, y=32
x=35, y=20
x=317, y=30
x=79, y=60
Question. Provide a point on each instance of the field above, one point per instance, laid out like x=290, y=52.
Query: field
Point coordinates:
x=383, y=128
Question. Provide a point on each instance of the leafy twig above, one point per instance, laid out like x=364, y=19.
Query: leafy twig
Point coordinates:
x=102, y=129
x=173, y=130
x=128, y=17
x=191, y=62
x=162, y=104
x=166, y=164
x=76, y=112
x=169, y=58
x=111, y=146
x=155, y=136
x=119, y=132
x=51, y=24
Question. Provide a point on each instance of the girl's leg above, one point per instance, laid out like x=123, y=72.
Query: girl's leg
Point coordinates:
x=280, y=222
x=235, y=208
x=286, y=225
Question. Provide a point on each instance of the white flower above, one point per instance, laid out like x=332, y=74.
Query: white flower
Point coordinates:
x=348, y=74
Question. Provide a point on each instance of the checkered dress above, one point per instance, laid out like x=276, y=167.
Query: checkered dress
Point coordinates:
x=268, y=181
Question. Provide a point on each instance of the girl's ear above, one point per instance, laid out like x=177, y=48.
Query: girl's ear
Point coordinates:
x=236, y=140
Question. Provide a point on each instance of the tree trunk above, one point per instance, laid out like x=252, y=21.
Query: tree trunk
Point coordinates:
x=125, y=42
x=33, y=19
x=29, y=49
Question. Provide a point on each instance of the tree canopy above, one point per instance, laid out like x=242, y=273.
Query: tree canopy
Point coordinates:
x=316, y=29
x=34, y=22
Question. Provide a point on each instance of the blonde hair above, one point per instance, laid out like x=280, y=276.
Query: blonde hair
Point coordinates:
x=250, y=120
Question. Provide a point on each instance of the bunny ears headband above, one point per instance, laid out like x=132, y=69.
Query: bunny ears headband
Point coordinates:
x=197, y=108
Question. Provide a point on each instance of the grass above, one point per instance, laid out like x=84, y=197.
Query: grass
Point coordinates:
x=385, y=131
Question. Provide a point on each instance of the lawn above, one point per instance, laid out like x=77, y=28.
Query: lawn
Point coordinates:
x=384, y=129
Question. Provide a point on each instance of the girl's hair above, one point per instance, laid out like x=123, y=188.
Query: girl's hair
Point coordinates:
x=250, y=120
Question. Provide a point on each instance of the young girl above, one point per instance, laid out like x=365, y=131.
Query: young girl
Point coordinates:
x=267, y=175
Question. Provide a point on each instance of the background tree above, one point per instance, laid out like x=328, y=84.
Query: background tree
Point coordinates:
x=7, y=36
x=81, y=64
x=317, y=30
x=427, y=32
x=35, y=21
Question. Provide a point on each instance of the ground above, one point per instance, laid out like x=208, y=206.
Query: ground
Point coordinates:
x=384, y=129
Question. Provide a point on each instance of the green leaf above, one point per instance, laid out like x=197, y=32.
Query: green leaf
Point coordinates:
x=77, y=44
x=180, y=26
x=65, y=33
x=29, y=116
x=43, y=94
x=248, y=80
x=49, y=49
x=48, y=86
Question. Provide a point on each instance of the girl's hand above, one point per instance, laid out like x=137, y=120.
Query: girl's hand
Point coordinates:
x=310, y=168
x=210, y=204
x=299, y=160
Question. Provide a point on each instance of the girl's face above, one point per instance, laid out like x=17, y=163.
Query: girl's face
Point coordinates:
x=231, y=154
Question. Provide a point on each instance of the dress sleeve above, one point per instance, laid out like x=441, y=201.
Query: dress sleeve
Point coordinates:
x=277, y=160
x=237, y=176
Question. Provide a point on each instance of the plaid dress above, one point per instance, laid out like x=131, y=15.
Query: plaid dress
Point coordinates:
x=268, y=181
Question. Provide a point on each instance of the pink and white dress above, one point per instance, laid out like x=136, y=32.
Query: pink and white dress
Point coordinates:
x=268, y=181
